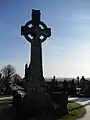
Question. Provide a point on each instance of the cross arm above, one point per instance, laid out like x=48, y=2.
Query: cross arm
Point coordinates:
x=46, y=32
x=25, y=30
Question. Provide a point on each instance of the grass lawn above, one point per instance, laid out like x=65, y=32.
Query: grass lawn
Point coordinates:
x=5, y=102
x=75, y=111
x=2, y=95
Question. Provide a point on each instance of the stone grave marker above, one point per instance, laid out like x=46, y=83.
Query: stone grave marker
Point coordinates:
x=36, y=32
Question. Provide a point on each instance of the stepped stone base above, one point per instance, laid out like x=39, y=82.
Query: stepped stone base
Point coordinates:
x=37, y=100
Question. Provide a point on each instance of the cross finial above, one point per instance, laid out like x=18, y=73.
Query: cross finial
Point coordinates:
x=35, y=17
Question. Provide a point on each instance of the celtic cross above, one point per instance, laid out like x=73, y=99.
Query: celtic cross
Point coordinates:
x=36, y=32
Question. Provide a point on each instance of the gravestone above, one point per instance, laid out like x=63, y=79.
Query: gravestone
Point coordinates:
x=39, y=33
x=36, y=32
x=86, y=89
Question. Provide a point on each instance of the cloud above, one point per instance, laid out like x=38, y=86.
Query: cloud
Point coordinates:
x=71, y=67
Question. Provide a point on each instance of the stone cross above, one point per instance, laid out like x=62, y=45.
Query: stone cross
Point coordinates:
x=36, y=32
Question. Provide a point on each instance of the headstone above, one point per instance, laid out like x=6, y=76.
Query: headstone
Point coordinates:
x=36, y=98
x=65, y=85
x=73, y=87
x=82, y=84
x=35, y=70
x=86, y=89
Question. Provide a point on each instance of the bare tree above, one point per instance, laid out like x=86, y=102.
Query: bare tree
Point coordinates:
x=17, y=78
x=8, y=71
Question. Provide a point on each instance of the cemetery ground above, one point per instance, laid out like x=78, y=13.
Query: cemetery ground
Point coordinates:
x=76, y=110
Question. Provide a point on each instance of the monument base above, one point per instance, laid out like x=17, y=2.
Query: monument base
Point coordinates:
x=37, y=103
x=37, y=100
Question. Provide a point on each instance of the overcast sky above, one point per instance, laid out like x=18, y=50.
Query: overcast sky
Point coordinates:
x=66, y=53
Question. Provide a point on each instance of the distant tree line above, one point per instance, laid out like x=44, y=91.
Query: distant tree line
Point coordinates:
x=8, y=76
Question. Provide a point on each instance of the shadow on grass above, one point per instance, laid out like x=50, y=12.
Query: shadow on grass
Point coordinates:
x=7, y=113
